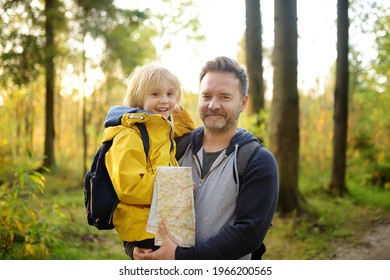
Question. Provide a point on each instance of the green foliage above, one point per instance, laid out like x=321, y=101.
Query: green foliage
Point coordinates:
x=315, y=141
x=171, y=19
x=190, y=102
x=28, y=226
x=22, y=29
x=370, y=133
x=128, y=46
x=80, y=240
x=127, y=39
x=369, y=144
x=257, y=124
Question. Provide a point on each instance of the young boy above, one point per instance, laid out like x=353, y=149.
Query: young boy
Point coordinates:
x=156, y=92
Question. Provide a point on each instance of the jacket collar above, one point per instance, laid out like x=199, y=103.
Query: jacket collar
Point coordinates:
x=115, y=113
x=240, y=138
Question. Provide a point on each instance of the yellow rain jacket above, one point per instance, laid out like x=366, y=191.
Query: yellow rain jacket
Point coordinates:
x=131, y=173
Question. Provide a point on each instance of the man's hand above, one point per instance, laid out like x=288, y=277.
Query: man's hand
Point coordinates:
x=138, y=250
x=165, y=252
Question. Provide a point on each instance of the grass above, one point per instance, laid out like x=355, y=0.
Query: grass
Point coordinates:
x=81, y=241
x=337, y=222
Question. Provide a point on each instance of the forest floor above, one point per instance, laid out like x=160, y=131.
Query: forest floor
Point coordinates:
x=373, y=245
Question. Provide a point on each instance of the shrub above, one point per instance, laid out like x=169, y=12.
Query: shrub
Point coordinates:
x=28, y=227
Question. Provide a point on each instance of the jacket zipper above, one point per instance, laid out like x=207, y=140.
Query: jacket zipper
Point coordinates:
x=201, y=180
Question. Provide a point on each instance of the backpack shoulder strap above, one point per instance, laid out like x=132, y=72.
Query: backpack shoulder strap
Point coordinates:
x=245, y=154
x=144, y=136
x=182, y=143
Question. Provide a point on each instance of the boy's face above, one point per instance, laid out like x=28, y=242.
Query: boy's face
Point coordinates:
x=161, y=99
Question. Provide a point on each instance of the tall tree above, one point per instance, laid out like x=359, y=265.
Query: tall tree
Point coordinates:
x=50, y=52
x=337, y=183
x=254, y=55
x=285, y=107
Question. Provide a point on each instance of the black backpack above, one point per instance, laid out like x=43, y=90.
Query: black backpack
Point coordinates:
x=100, y=198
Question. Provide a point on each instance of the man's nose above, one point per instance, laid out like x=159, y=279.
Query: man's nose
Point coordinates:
x=214, y=104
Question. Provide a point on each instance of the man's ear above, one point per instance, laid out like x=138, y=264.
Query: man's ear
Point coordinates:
x=244, y=102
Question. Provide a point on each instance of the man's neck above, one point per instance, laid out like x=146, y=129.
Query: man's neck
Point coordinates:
x=213, y=142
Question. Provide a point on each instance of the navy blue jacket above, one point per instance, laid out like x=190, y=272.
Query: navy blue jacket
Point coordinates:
x=255, y=203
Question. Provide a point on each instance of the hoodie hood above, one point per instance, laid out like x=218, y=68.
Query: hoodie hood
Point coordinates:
x=240, y=138
x=121, y=117
x=115, y=113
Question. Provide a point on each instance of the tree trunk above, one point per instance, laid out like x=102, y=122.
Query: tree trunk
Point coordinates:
x=49, y=161
x=337, y=184
x=254, y=56
x=285, y=106
x=84, y=110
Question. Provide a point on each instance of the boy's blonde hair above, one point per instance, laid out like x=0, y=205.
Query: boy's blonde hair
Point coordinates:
x=146, y=78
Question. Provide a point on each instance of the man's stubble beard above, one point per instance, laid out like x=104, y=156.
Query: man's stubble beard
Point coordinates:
x=220, y=126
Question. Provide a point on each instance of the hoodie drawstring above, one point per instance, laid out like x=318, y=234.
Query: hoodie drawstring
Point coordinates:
x=235, y=167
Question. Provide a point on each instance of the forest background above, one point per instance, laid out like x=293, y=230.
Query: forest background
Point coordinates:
x=64, y=63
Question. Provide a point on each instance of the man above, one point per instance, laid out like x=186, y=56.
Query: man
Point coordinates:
x=232, y=217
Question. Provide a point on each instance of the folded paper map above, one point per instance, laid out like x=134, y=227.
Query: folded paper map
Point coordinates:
x=173, y=205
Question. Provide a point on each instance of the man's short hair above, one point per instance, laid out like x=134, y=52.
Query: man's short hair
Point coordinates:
x=226, y=64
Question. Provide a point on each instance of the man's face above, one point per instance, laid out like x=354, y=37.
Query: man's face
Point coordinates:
x=220, y=104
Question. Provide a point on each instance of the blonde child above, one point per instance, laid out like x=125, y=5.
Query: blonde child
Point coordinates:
x=156, y=92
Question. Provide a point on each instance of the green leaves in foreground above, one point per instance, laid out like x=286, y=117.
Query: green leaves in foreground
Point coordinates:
x=28, y=226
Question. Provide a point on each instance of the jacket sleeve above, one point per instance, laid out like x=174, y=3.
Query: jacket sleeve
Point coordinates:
x=126, y=165
x=183, y=123
x=256, y=205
